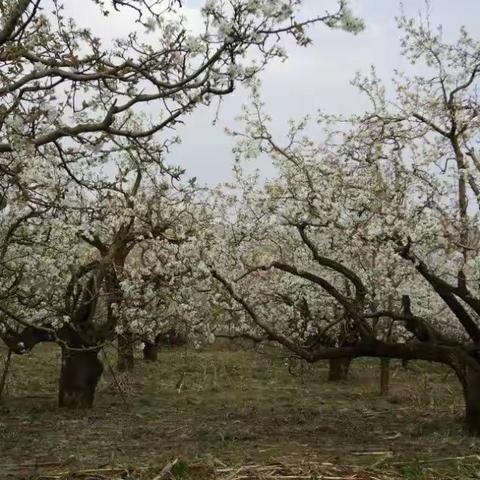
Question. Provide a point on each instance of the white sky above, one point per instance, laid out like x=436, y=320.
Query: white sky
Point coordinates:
x=312, y=78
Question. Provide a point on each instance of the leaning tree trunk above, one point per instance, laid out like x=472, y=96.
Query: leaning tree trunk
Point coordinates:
x=79, y=376
x=469, y=376
x=150, y=351
x=338, y=369
x=125, y=360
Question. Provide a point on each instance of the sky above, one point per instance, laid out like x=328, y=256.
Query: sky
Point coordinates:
x=312, y=78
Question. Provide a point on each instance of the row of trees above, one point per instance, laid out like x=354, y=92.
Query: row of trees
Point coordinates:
x=97, y=230
x=374, y=230
x=364, y=244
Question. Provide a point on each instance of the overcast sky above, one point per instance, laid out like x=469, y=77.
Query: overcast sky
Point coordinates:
x=317, y=77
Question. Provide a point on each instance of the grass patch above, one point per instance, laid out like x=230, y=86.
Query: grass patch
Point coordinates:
x=232, y=408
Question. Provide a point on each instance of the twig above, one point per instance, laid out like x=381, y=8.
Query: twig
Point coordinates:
x=166, y=470
x=119, y=388
x=438, y=460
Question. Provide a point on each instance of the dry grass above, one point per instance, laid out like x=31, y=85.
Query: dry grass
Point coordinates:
x=237, y=415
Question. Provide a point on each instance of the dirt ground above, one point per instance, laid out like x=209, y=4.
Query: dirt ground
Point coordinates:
x=233, y=413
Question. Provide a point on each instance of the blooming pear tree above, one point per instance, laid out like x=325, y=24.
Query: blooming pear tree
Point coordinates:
x=80, y=275
x=63, y=89
x=90, y=232
x=380, y=220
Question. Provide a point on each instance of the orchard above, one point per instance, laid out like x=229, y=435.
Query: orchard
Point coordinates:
x=133, y=291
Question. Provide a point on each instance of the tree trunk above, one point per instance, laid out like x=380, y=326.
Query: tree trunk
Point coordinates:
x=384, y=376
x=6, y=367
x=338, y=369
x=150, y=351
x=125, y=359
x=470, y=380
x=405, y=363
x=79, y=376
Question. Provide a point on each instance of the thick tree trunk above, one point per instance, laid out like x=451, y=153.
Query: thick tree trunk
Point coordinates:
x=125, y=360
x=150, y=351
x=470, y=380
x=467, y=369
x=79, y=376
x=338, y=369
x=384, y=376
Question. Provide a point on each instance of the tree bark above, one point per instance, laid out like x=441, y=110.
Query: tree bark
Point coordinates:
x=171, y=338
x=6, y=367
x=150, y=351
x=384, y=376
x=125, y=360
x=472, y=404
x=79, y=376
x=469, y=376
x=338, y=369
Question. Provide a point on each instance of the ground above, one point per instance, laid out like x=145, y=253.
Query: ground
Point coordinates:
x=236, y=413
